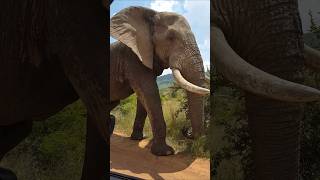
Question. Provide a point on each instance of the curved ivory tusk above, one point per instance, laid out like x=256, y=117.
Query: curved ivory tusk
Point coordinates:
x=187, y=85
x=312, y=57
x=254, y=80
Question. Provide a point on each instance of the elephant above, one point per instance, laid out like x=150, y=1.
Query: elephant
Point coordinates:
x=258, y=46
x=148, y=42
x=53, y=53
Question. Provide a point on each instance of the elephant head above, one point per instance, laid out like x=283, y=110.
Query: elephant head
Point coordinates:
x=258, y=46
x=168, y=37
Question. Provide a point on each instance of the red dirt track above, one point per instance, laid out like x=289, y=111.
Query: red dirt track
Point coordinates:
x=135, y=159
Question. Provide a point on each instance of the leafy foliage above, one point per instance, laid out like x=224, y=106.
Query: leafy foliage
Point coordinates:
x=229, y=132
x=55, y=148
x=310, y=144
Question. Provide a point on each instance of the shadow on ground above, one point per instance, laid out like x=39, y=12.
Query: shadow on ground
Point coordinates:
x=134, y=158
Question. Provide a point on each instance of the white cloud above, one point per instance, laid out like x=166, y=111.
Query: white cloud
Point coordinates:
x=166, y=71
x=205, y=45
x=160, y=5
x=197, y=12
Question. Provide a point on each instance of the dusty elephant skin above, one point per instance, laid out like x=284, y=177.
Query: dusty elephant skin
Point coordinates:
x=52, y=53
x=268, y=35
x=150, y=41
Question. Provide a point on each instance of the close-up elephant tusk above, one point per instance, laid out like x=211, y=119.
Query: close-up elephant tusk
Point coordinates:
x=182, y=82
x=312, y=57
x=254, y=80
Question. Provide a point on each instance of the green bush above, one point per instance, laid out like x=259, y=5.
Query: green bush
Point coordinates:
x=55, y=148
x=174, y=108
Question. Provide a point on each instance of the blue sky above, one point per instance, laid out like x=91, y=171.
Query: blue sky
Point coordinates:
x=197, y=12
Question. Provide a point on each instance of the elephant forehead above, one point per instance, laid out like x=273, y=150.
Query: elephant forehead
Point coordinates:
x=171, y=19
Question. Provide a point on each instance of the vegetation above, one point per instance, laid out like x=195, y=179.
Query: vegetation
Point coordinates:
x=55, y=148
x=310, y=147
x=174, y=110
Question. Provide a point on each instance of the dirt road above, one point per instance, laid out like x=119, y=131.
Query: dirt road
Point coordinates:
x=134, y=158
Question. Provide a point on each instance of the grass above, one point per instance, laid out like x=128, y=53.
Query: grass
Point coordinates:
x=54, y=150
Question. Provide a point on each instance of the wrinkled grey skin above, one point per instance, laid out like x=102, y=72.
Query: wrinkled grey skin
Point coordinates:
x=129, y=75
x=268, y=35
x=52, y=53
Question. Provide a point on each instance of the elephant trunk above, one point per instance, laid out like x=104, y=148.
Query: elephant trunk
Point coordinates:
x=275, y=129
x=192, y=78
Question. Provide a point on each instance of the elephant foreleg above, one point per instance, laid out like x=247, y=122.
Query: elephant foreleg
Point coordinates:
x=148, y=94
x=141, y=114
x=96, y=157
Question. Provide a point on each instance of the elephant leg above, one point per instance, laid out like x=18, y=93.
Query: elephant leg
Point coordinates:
x=148, y=94
x=11, y=136
x=141, y=114
x=96, y=157
x=88, y=78
x=93, y=94
x=112, y=105
x=112, y=123
x=80, y=45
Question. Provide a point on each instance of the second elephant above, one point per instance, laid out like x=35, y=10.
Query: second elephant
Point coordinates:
x=148, y=42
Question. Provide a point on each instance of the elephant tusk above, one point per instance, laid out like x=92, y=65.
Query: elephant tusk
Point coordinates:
x=254, y=80
x=187, y=85
x=312, y=57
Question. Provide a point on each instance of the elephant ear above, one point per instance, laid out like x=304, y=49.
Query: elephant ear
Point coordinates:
x=132, y=26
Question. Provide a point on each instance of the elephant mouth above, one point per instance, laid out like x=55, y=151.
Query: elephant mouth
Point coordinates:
x=256, y=81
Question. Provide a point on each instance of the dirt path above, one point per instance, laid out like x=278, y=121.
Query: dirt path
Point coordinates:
x=134, y=158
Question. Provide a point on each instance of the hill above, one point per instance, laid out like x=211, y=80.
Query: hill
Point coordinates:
x=165, y=81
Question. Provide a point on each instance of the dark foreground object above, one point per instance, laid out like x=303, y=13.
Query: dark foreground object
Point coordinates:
x=6, y=174
x=117, y=176
x=112, y=123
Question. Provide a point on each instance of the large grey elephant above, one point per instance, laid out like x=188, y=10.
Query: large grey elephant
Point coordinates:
x=148, y=42
x=258, y=46
x=52, y=53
